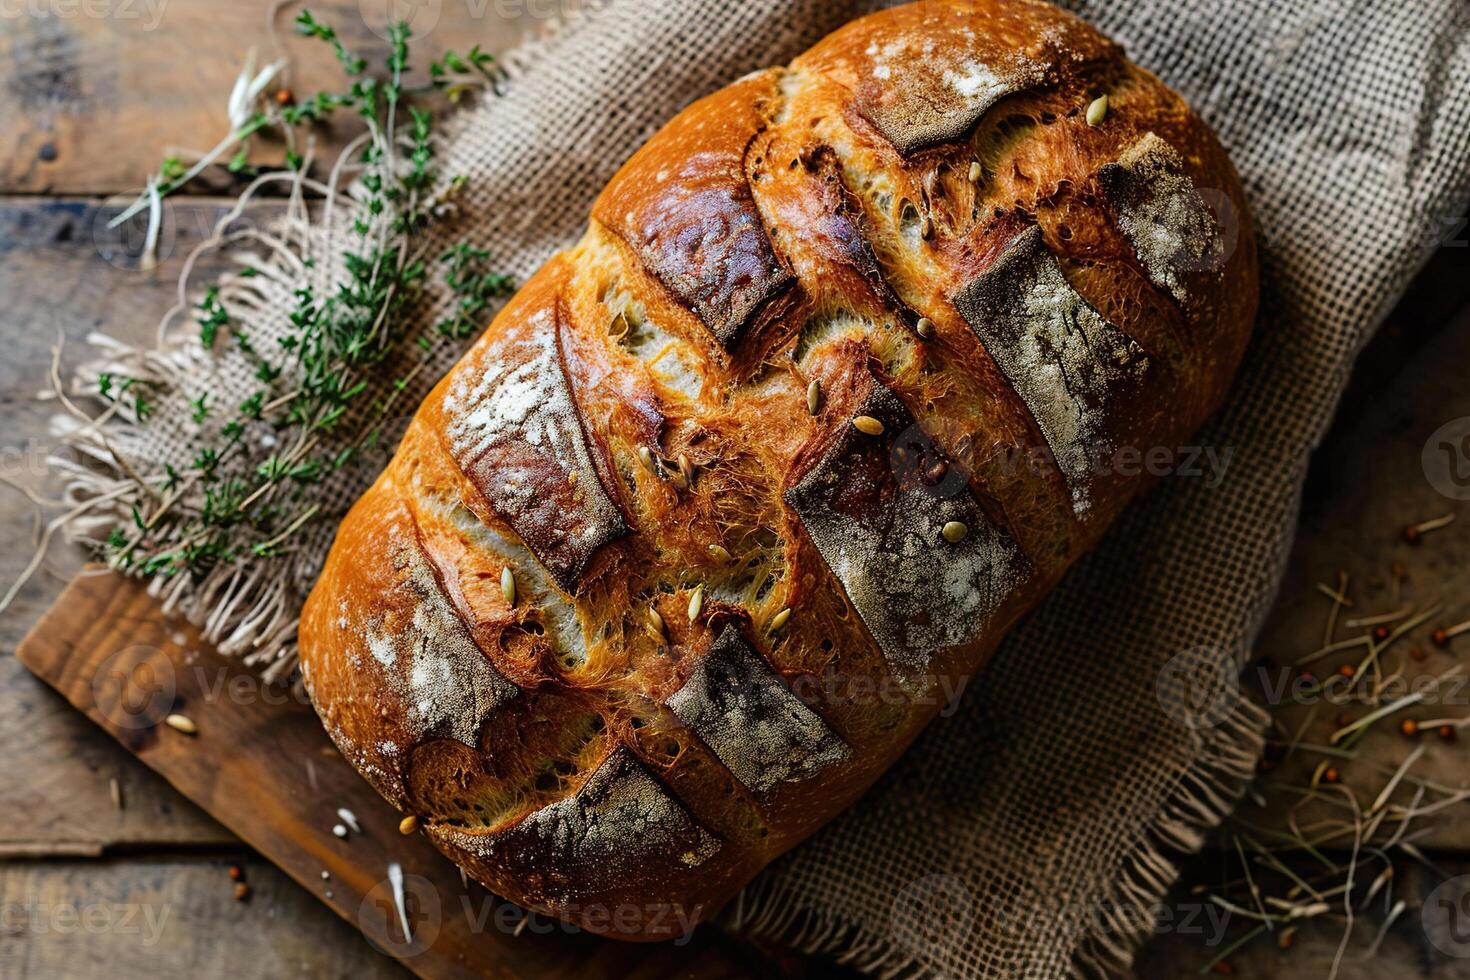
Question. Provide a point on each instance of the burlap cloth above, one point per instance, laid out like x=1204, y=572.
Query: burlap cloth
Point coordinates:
x=1032, y=833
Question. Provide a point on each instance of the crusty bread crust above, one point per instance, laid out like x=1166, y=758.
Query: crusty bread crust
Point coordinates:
x=856, y=357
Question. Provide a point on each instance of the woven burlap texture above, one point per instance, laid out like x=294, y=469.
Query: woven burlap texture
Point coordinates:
x=1031, y=833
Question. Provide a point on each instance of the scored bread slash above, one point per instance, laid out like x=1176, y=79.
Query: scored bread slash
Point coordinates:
x=181, y=723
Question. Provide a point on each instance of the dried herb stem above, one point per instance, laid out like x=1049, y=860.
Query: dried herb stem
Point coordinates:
x=239, y=495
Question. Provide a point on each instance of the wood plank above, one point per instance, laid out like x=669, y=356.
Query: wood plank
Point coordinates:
x=61, y=276
x=1367, y=482
x=60, y=801
x=56, y=279
x=172, y=917
x=262, y=765
x=96, y=91
x=1419, y=943
x=176, y=916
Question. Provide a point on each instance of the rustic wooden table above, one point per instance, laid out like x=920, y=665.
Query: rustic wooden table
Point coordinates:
x=92, y=95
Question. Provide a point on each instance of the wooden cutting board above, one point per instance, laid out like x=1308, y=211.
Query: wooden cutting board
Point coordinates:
x=261, y=764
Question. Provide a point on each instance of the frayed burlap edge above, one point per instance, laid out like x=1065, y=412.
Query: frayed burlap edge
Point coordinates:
x=1205, y=795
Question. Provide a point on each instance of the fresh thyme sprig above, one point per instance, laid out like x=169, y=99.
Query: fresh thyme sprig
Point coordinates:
x=131, y=392
x=324, y=388
x=458, y=75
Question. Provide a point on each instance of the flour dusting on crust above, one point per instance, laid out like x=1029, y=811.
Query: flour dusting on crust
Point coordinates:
x=745, y=713
x=513, y=427
x=621, y=814
x=601, y=836
x=431, y=662
x=1162, y=214
x=878, y=526
x=919, y=96
x=1064, y=360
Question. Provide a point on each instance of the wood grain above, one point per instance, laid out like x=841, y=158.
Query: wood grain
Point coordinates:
x=1367, y=483
x=152, y=916
x=94, y=93
x=60, y=801
x=1427, y=939
x=61, y=281
x=261, y=764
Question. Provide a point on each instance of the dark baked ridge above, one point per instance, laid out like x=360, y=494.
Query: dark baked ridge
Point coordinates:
x=653, y=719
x=517, y=433
x=736, y=704
x=1072, y=368
x=877, y=519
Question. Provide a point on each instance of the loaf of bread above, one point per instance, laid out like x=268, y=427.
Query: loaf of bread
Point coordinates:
x=855, y=358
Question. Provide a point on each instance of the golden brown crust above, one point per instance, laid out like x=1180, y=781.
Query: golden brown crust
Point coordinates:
x=732, y=608
x=683, y=204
